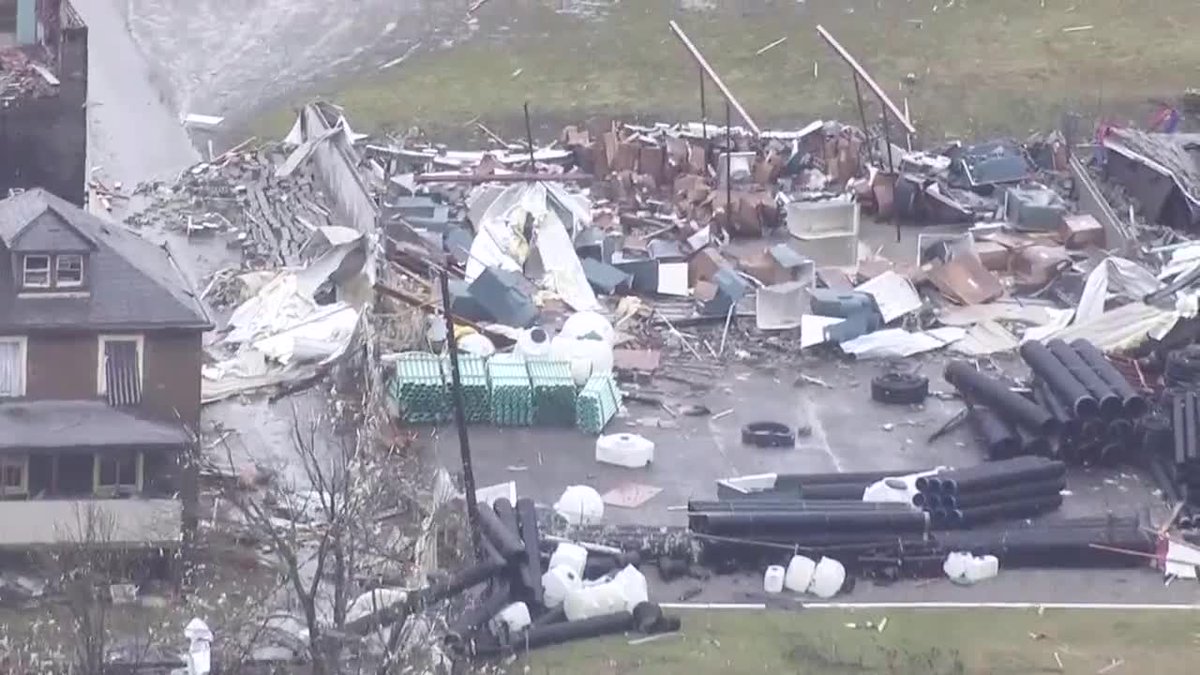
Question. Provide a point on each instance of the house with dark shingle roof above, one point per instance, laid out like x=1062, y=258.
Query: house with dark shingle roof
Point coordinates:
x=100, y=357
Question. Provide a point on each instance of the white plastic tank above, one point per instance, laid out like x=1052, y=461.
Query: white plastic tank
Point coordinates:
x=598, y=600
x=773, y=579
x=828, y=578
x=628, y=450
x=581, y=325
x=477, y=344
x=799, y=574
x=533, y=343
x=966, y=569
x=511, y=620
x=587, y=356
x=580, y=505
x=571, y=556
x=558, y=582
x=633, y=585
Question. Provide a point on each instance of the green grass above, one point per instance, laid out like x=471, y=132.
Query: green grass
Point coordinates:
x=920, y=642
x=978, y=66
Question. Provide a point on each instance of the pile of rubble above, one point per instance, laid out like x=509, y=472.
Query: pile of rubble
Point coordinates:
x=22, y=75
x=260, y=199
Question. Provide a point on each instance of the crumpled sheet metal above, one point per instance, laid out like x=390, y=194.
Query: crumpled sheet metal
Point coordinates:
x=897, y=342
x=1123, y=328
x=1117, y=277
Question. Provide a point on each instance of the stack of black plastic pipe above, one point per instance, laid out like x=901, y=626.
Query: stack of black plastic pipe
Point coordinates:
x=1185, y=427
x=1081, y=408
x=1013, y=488
x=512, y=568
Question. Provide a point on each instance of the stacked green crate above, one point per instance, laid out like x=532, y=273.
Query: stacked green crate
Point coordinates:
x=472, y=373
x=598, y=403
x=512, y=393
x=419, y=388
x=553, y=392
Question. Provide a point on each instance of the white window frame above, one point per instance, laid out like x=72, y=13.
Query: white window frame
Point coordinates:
x=58, y=282
x=21, y=462
x=22, y=343
x=25, y=283
x=101, y=382
x=118, y=488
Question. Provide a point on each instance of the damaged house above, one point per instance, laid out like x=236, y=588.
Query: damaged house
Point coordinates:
x=100, y=356
x=43, y=98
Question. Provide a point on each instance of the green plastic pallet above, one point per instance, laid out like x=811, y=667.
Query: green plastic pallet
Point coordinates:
x=553, y=392
x=598, y=403
x=472, y=373
x=512, y=392
x=419, y=388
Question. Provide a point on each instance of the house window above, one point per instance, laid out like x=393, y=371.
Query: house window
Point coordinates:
x=37, y=271
x=12, y=367
x=68, y=270
x=120, y=377
x=117, y=474
x=14, y=476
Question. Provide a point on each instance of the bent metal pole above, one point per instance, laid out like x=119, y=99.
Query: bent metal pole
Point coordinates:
x=715, y=78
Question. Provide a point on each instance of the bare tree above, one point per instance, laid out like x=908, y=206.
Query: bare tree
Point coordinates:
x=86, y=564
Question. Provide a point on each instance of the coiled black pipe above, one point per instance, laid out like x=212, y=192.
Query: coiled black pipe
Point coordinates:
x=984, y=390
x=1134, y=403
x=1052, y=371
x=998, y=437
x=1110, y=402
x=1021, y=508
x=1006, y=494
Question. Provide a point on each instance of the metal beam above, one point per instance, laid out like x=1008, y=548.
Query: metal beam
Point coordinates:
x=866, y=77
x=715, y=78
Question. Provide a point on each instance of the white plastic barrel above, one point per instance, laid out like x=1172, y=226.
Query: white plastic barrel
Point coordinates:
x=598, y=600
x=511, y=620
x=828, y=578
x=580, y=505
x=533, y=343
x=587, y=356
x=628, y=450
x=557, y=583
x=583, y=324
x=633, y=585
x=773, y=579
x=570, y=556
x=799, y=574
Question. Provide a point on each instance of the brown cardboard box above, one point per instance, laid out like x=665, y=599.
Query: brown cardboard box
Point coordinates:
x=1081, y=231
x=704, y=265
x=995, y=257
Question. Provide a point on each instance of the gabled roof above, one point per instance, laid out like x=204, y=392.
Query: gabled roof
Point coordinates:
x=132, y=283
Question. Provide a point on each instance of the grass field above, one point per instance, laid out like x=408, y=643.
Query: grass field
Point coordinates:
x=917, y=642
x=966, y=67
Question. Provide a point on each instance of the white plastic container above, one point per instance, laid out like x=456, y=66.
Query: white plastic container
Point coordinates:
x=828, y=578
x=572, y=556
x=628, y=450
x=580, y=505
x=966, y=569
x=587, y=356
x=477, y=344
x=511, y=620
x=799, y=574
x=773, y=579
x=533, y=343
x=559, y=582
x=580, y=325
x=598, y=600
x=983, y=567
x=633, y=585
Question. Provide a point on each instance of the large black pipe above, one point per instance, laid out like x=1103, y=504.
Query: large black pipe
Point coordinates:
x=751, y=506
x=1020, y=508
x=1189, y=398
x=531, y=568
x=1000, y=439
x=834, y=491
x=983, y=468
x=1006, y=494
x=460, y=581
x=558, y=633
x=498, y=598
x=1068, y=422
x=1033, y=444
x=1047, y=367
x=506, y=541
x=1134, y=403
x=1110, y=402
x=999, y=474
x=739, y=524
x=1179, y=424
x=810, y=479
x=984, y=390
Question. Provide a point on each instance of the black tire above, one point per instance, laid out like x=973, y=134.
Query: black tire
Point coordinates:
x=900, y=388
x=768, y=435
